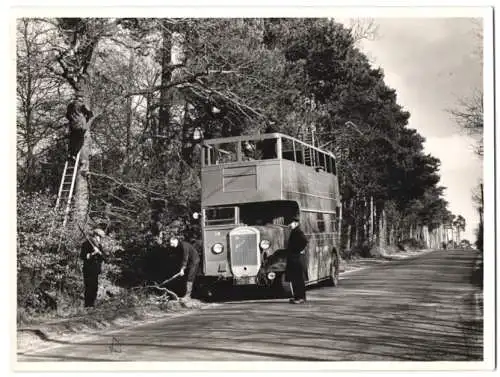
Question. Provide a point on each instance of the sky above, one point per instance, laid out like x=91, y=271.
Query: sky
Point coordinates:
x=432, y=63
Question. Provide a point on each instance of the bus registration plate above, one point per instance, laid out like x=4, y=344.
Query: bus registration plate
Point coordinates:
x=245, y=280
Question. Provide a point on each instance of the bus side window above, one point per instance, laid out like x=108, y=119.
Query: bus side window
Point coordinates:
x=308, y=222
x=327, y=218
x=320, y=222
x=308, y=156
x=298, y=152
x=268, y=148
x=287, y=149
x=213, y=156
x=334, y=166
x=225, y=153
x=279, y=220
x=247, y=151
x=329, y=164
x=205, y=152
x=335, y=220
x=321, y=167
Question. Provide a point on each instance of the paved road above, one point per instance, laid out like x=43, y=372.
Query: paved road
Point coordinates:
x=419, y=309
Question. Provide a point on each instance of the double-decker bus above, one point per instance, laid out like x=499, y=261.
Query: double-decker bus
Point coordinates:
x=251, y=187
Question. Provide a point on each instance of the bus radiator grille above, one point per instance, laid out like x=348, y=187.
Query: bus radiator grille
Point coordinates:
x=244, y=249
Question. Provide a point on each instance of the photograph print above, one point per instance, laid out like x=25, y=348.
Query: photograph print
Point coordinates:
x=242, y=189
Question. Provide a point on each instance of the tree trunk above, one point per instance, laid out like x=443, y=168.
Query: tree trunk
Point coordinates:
x=344, y=227
x=349, y=229
x=172, y=56
x=381, y=228
x=165, y=100
x=372, y=224
x=161, y=132
x=81, y=198
x=129, y=109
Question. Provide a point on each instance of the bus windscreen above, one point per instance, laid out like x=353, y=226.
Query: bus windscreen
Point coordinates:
x=220, y=216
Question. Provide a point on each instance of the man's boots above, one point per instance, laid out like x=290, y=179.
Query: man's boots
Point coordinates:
x=189, y=289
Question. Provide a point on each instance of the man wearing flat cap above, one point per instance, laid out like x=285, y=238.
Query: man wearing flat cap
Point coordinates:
x=296, y=266
x=92, y=256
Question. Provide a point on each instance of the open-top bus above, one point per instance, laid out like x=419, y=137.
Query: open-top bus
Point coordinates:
x=251, y=187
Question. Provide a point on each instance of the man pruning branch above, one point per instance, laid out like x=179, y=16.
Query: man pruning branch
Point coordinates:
x=190, y=261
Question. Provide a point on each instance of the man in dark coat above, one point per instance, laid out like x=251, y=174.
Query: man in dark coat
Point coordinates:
x=296, y=266
x=190, y=261
x=78, y=116
x=92, y=256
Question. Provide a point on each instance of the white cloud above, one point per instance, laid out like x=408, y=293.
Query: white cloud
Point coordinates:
x=456, y=152
x=431, y=64
x=460, y=172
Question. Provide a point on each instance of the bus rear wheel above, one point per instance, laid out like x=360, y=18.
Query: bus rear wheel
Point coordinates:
x=334, y=269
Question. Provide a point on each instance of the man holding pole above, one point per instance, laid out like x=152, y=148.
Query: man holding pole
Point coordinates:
x=190, y=261
x=92, y=256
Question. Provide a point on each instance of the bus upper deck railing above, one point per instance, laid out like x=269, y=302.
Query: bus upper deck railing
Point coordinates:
x=260, y=137
x=221, y=151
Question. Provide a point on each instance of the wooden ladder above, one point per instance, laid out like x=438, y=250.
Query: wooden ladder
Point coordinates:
x=66, y=188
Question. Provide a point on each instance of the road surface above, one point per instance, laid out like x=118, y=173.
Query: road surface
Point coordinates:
x=420, y=309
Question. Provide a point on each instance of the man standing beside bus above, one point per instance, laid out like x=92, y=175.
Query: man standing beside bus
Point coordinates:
x=296, y=266
x=190, y=261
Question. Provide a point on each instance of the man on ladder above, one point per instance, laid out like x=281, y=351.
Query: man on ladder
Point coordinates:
x=79, y=117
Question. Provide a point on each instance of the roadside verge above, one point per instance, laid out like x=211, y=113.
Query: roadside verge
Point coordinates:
x=30, y=337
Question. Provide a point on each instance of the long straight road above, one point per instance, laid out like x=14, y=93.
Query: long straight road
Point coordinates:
x=419, y=309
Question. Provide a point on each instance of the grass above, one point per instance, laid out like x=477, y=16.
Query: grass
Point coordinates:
x=128, y=304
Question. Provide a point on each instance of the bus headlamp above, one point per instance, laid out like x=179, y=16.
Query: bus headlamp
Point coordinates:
x=271, y=275
x=264, y=244
x=217, y=248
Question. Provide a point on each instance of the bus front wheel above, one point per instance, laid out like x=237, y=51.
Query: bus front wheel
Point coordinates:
x=283, y=288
